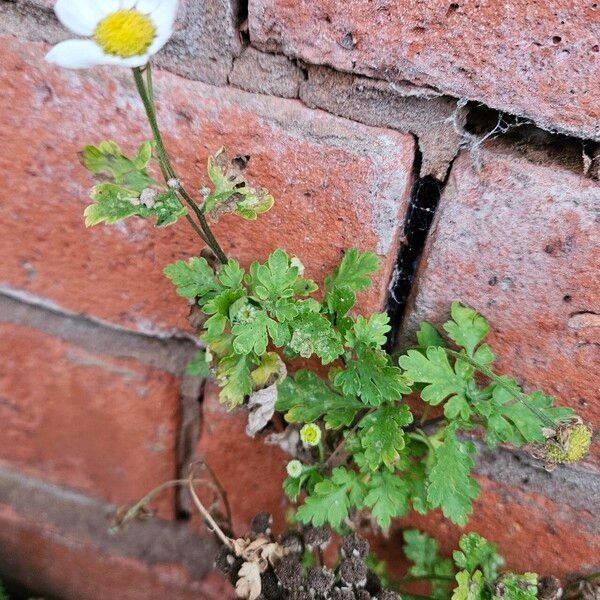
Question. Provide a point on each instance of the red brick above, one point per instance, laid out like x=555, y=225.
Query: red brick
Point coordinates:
x=56, y=543
x=337, y=184
x=98, y=424
x=534, y=58
x=519, y=242
x=533, y=532
x=250, y=471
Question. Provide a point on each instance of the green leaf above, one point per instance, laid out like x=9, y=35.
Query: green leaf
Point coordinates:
x=511, y=586
x=387, y=497
x=199, y=365
x=382, y=436
x=313, y=334
x=422, y=551
x=451, y=486
x=113, y=203
x=231, y=274
x=192, y=278
x=3, y=594
x=233, y=376
x=332, y=499
x=467, y=328
x=232, y=192
x=470, y=587
x=428, y=335
x=477, y=553
x=275, y=279
x=507, y=419
x=167, y=209
x=305, y=397
x=372, y=333
x=371, y=377
x=293, y=487
x=354, y=272
x=222, y=303
x=108, y=160
x=251, y=335
x=432, y=368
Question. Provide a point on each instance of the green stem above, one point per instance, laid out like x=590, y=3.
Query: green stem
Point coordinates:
x=520, y=396
x=147, y=96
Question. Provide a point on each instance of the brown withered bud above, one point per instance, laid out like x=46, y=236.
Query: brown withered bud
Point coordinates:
x=261, y=523
x=316, y=537
x=290, y=573
x=354, y=545
x=343, y=593
x=549, y=588
x=228, y=563
x=270, y=588
x=298, y=595
x=292, y=542
x=320, y=580
x=353, y=571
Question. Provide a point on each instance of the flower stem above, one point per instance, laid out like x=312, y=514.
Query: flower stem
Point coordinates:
x=146, y=92
x=520, y=396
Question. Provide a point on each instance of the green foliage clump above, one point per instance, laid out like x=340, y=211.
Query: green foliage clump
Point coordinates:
x=391, y=465
x=473, y=574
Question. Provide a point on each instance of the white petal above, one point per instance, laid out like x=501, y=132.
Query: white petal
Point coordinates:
x=106, y=7
x=163, y=18
x=135, y=61
x=127, y=4
x=76, y=54
x=147, y=6
x=164, y=14
x=81, y=54
x=80, y=16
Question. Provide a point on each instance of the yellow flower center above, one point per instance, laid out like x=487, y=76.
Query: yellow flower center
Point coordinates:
x=125, y=33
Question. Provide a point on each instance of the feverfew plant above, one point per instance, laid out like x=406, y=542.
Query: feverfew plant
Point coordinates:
x=360, y=448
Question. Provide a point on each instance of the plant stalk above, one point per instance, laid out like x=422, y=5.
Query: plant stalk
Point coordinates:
x=147, y=96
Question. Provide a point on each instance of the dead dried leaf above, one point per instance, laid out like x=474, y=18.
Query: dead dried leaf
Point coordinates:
x=262, y=407
x=248, y=585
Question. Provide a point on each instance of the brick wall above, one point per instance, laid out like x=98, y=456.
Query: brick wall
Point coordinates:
x=459, y=141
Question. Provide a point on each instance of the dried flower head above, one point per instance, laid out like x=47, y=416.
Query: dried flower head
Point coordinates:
x=568, y=443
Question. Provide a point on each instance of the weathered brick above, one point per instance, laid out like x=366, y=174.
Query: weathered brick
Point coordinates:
x=85, y=419
x=263, y=73
x=250, y=471
x=519, y=242
x=536, y=59
x=533, y=532
x=337, y=184
x=435, y=120
x=56, y=542
x=203, y=46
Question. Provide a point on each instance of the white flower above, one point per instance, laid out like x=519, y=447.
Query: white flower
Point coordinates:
x=119, y=32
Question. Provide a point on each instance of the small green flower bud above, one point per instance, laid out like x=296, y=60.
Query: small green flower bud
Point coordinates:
x=310, y=434
x=294, y=469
